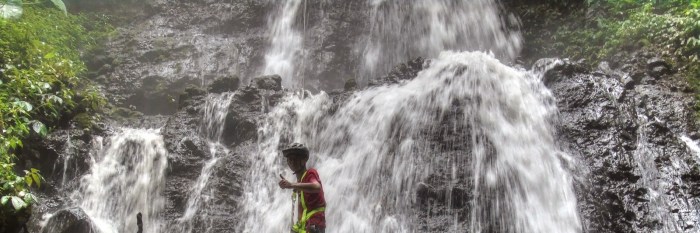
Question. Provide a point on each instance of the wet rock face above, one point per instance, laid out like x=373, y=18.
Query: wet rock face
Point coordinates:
x=225, y=84
x=189, y=151
x=626, y=127
x=403, y=71
x=169, y=45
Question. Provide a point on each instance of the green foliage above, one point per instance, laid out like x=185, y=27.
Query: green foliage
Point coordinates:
x=41, y=85
x=57, y=3
x=612, y=29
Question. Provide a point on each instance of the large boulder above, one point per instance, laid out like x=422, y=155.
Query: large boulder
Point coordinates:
x=71, y=220
x=224, y=84
x=267, y=82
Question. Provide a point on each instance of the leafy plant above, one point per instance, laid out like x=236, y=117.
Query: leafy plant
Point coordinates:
x=41, y=85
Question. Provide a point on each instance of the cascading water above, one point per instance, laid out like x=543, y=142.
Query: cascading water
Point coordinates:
x=400, y=30
x=374, y=151
x=284, y=53
x=126, y=177
x=215, y=111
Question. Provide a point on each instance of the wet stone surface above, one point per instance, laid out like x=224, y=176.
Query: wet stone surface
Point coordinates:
x=635, y=172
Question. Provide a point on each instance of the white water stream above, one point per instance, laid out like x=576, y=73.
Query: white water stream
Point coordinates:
x=401, y=31
x=215, y=111
x=127, y=176
x=398, y=30
x=286, y=44
x=374, y=151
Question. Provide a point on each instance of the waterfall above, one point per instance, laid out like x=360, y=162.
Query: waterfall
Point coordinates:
x=286, y=44
x=126, y=177
x=400, y=30
x=214, y=115
x=397, y=30
x=376, y=149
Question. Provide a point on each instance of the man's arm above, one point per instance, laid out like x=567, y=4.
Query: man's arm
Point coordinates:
x=312, y=187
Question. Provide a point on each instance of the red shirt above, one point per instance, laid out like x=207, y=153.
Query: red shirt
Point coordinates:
x=314, y=200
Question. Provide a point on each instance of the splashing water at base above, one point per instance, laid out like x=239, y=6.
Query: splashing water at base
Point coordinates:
x=374, y=151
x=126, y=177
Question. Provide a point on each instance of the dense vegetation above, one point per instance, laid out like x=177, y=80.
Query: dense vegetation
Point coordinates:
x=610, y=30
x=42, y=85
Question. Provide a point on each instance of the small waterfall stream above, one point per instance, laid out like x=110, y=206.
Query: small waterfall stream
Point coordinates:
x=375, y=150
x=215, y=111
x=126, y=177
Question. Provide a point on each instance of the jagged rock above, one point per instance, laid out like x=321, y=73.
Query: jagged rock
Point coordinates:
x=602, y=120
x=656, y=61
x=189, y=96
x=189, y=151
x=225, y=84
x=559, y=69
x=267, y=82
x=350, y=85
x=403, y=71
x=72, y=220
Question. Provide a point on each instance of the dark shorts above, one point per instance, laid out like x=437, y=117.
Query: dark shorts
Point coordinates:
x=315, y=229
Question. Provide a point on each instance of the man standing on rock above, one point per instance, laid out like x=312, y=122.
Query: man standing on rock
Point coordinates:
x=308, y=188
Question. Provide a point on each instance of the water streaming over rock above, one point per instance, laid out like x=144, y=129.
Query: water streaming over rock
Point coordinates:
x=397, y=30
x=286, y=43
x=68, y=152
x=655, y=180
x=378, y=149
x=401, y=30
x=214, y=114
x=127, y=176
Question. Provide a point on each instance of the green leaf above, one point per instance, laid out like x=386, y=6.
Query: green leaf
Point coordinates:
x=28, y=179
x=39, y=128
x=49, y=55
x=18, y=203
x=30, y=198
x=60, y=5
x=24, y=105
x=37, y=178
x=4, y=200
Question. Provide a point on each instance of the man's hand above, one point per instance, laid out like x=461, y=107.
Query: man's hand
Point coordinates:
x=284, y=183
